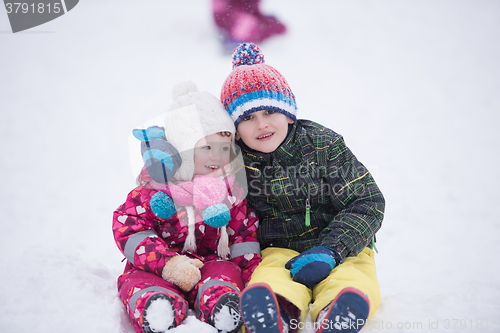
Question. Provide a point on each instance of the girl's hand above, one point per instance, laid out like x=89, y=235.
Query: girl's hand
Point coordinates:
x=182, y=271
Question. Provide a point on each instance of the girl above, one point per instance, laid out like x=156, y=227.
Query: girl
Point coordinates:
x=186, y=230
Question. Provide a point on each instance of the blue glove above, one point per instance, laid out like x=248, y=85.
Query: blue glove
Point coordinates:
x=313, y=266
x=161, y=158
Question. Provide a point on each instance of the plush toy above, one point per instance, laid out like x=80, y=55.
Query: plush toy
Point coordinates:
x=160, y=157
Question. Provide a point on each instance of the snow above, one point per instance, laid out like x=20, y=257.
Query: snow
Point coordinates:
x=160, y=315
x=224, y=320
x=412, y=85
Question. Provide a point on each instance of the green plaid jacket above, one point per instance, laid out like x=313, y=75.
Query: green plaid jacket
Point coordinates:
x=313, y=166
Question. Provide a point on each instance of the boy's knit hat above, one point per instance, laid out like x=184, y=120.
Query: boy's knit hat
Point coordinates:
x=192, y=116
x=254, y=86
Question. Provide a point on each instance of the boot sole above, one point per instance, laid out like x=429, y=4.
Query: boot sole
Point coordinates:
x=348, y=314
x=260, y=309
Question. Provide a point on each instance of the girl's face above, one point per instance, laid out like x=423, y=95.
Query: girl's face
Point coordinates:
x=212, y=154
x=264, y=130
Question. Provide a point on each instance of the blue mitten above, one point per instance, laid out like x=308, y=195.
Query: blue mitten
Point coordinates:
x=313, y=266
x=161, y=158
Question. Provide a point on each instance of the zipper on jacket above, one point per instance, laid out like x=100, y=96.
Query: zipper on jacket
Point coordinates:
x=374, y=247
x=308, y=208
x=308, y=213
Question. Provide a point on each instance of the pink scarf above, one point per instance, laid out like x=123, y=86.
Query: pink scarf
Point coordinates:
x=200, y=193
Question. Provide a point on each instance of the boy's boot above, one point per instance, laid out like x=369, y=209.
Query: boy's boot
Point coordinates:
x=260, y=310
x=159, y=314
x=347, y=313
x=226, y=315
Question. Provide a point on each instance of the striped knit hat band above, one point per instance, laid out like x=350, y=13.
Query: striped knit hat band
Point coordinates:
x=254, y=86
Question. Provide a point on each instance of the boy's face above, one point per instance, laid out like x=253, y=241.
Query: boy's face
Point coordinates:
x=211, y=154
x=263, y=130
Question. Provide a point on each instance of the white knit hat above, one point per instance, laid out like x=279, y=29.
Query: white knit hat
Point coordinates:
x=192, y=116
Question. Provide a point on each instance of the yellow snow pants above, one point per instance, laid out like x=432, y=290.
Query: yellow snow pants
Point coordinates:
x=358, y=272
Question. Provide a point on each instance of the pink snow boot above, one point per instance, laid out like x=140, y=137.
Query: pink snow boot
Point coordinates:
x=242, y=21
x=159, y=314
x=226, y=316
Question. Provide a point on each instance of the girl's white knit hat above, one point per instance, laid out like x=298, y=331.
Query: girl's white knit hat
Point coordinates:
x=192, y=116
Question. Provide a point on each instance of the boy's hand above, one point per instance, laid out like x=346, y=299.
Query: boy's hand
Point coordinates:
x=312, y=266
x=182, y=271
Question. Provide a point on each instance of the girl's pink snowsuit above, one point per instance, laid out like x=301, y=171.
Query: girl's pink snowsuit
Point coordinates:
x=148, y=241
x=243, y=21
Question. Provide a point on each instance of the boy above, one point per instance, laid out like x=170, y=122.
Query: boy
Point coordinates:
x=319, y=209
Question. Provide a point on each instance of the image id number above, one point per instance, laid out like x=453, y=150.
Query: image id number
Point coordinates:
x=460, y=324
x=23, y=7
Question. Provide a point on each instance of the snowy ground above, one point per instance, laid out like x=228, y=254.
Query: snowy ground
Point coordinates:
x=412, y=85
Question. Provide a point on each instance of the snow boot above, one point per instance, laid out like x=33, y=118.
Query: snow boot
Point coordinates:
x=158, y=314
x=226, y=317
x=347, y=313
x=260, y=310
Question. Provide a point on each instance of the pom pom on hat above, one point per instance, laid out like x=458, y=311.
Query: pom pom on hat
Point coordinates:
x=183, y=88
x=247, y=54
x=254, y=86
